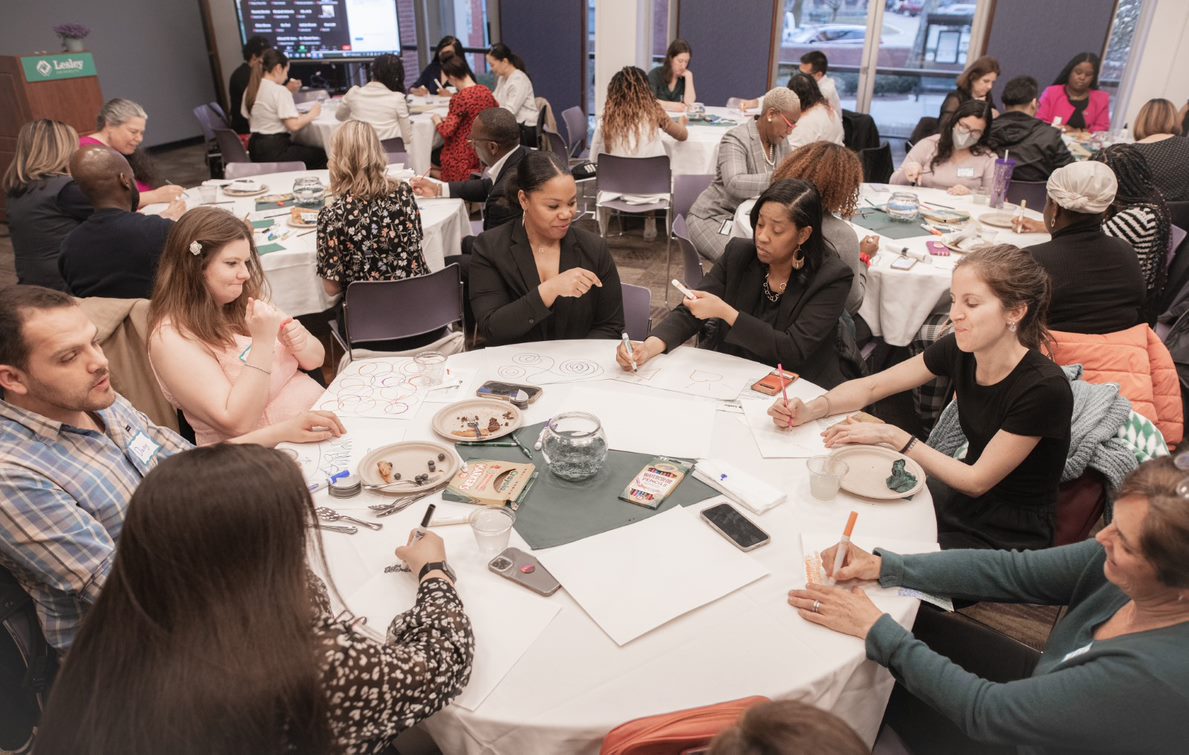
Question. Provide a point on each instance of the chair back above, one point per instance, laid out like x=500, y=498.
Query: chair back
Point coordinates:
x=691, y=261
x=243, y=170
x=396, y=151
x=557, y=144
x=877, y=164
x=859, y=131
x=926, y=126
x=224, y=121
x=208, y=121
x=230, y=146
x=1033, y=191
x=637, y=311
x=1179, y=213
x=392, y=310
x=635, y=175
x=1176, y=287
x=687, y=188
x=28, y=668
x=677, y=732
x=1080, y=503
x=577, y=127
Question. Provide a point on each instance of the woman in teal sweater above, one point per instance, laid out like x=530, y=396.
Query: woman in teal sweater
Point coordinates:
x=1115, y=673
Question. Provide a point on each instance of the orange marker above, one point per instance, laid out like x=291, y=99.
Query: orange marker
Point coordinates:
x=843, y=546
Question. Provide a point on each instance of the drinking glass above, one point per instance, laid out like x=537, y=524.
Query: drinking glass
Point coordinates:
x=825, y=476
x=432, y=365
x=493, y=528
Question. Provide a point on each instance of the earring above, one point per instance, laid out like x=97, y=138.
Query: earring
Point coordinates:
x=1011, y=326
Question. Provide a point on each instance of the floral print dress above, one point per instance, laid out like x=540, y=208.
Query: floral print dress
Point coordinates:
x=371, y=239
x=459, y=160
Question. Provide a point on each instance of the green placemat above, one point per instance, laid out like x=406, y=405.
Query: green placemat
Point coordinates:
x=260, y=225
x=879, y=222
x=266, y=248
x=273, y=204
x=556, y=512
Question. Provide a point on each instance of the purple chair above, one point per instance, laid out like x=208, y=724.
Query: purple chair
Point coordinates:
x=577, y=127
x=637, y=311
x=395, y=149
x=224, y=121
x=687, y=189
x=208, y=121
x=1033, y=191
x=231, y=147
x=243, y=170
x=410, y=308
x=691, y=261
x=636, y=175
x=557, y=144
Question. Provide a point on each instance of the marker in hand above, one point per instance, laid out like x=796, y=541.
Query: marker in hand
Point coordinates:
x=627, y=344
x=843, y=546
x=683, y=289
x=783, y=393
x=425, y=520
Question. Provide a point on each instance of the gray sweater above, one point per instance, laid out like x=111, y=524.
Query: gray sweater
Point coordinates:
x=1127, y=694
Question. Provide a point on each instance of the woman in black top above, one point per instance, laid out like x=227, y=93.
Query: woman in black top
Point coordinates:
x=1014, y=405
x=542, y=279
x=975, y=83
x=776, y=299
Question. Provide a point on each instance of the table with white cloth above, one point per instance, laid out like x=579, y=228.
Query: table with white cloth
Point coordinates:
x=574, y=683
x=698, y=154
x=320, y=131
x=292, y=276
x=896, y=303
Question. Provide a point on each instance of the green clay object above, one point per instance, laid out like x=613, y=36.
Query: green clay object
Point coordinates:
x=901, y=480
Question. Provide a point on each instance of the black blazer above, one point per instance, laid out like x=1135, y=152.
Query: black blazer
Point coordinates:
x=504, y=298
x=498, y=207
x=803, y=339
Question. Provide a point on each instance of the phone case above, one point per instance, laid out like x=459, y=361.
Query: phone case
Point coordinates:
x=937, y=249
x=903, y=263
x=523, y=569
x=767, y=538
x=505, y=391
x=770, y=385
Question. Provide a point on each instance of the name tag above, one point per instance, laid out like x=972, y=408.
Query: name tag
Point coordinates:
x=1075, y=653
x=965, y=172
x=143, y=448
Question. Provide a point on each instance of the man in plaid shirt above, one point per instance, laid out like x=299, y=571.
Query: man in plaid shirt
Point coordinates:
x=72, y=451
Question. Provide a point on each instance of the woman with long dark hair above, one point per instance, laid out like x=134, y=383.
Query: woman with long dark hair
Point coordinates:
x=514, y=90
x=457, y=159
x=543, y=279
x=381, y=102
x=959, y=159
x=975, y=83
x=1014, y=405
x=672, y=81
x=1075, y=97
x=273, y=117
x=431, y=80
x=212, y=634
x=774, y=299
x=818, y=121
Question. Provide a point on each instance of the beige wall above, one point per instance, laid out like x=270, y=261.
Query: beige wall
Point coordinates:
x=622, y=38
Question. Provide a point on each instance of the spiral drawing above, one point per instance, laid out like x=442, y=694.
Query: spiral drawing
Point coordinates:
x=373, y=368
x=578, y=368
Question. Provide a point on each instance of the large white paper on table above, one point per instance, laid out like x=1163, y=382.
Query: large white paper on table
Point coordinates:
x=506, y=620
x=652, y=423
x=384, y=388
x=631, y=580
x=697, y=372
x=813, y=543
x=321, y=461
x=798, y=442
x=563, y=362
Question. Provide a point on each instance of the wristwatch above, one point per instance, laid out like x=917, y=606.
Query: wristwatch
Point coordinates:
x=442, y=565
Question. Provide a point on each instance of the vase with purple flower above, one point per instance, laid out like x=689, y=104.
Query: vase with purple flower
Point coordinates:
x=72, y=36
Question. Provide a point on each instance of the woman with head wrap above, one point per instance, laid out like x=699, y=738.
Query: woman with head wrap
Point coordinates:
x=1097, y=283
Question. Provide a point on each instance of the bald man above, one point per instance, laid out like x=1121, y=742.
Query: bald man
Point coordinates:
x=114, y=252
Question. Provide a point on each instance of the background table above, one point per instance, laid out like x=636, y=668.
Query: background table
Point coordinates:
x=575, y=684
x=320, y=132
x=896, y=303
x=292, y=278
x=698, y=154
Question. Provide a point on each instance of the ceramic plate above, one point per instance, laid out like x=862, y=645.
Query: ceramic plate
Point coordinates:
x=232, y=191
x=869, y=468
x=409, y=459
x=493, y=419
x=997, y=219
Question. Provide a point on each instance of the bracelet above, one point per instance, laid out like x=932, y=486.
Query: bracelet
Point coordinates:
x=826, y=398
x=266, y=372
x=912, y=441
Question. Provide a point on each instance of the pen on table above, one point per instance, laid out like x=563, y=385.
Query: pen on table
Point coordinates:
x=843, y=546
x=523, y=450
x=780, y=376
x=627, y=344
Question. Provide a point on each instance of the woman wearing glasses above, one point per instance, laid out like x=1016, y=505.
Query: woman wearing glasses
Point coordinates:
x=958, y=159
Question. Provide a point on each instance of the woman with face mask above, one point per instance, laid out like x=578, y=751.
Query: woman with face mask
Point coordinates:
x=958, y=159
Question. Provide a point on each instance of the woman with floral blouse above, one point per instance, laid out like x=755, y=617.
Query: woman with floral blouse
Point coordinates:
x=212, y=635
x=372, y=230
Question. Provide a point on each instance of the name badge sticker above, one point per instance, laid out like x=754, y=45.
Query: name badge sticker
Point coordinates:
x=143, y=448
x=965, y=172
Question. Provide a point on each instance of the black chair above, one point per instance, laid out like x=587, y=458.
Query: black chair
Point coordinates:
x=859, y=131
x=27, y=666
x=1033, y=191
x=926, y=126
x=1172, y=302
x=1179, y=214
x=877, y=163
x=396, y=151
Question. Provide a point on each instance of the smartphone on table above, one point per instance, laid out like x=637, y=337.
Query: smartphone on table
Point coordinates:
x=525, y=570
x=735, y=527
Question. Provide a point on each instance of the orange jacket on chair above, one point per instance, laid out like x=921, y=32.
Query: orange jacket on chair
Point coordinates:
x=1137, y=360
x=676, y=732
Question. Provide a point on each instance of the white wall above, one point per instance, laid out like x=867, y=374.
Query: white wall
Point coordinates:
x=622, y=38
x=1159, y=61
x=226, y=31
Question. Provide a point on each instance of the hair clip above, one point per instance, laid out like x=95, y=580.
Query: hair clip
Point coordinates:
x=195, y=248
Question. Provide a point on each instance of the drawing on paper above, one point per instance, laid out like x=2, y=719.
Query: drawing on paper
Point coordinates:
x=708, y=383
x=320, y=461
x=536, y=368
x=384, y=388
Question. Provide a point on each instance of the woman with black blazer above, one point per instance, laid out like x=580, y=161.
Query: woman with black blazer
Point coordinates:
x=775, y=300
x=542, y=279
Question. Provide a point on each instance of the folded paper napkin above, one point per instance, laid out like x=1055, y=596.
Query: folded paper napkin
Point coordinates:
x=741, y=487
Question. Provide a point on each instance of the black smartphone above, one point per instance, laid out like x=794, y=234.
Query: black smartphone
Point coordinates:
x=735, y=527
x=520, y=394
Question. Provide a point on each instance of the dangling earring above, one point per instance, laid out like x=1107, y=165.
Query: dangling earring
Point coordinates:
x=1011, y=326
x=798, y=260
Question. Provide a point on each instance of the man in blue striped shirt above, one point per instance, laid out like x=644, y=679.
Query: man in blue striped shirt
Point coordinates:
x=72, y=451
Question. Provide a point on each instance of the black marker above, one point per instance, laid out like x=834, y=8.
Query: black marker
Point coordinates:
x=425, y=520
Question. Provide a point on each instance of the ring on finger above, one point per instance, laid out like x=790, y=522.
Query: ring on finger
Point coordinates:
x=817, y=606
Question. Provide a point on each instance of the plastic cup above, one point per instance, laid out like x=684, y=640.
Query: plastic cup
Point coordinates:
x=492, y=528
x=825, y=477
x=981, y=197
x=432, y=366
x=208, y=194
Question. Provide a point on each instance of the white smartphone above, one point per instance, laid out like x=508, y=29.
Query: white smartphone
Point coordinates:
x=732, y=525
x=683, y=289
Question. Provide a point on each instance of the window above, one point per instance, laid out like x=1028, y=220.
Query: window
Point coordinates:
x=1118, y=46
x=660, y=31
x=837, y=28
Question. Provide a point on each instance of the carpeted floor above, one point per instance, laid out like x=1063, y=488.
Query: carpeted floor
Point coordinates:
x=641, y=263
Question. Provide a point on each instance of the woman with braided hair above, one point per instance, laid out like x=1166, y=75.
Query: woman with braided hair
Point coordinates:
x=1139, y=216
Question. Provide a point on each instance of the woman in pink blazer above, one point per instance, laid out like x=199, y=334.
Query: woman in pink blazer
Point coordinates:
x=1076, y=99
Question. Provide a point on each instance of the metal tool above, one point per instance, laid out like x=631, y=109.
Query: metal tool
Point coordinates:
x=328, y=514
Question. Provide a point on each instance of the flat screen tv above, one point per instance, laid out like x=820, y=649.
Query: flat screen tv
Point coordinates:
x=325, y=30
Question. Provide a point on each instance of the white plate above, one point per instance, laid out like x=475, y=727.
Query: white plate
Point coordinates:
x=495, y=418
x=997, y=219
x=868, y=470
x=231, y=190
x=409, y=459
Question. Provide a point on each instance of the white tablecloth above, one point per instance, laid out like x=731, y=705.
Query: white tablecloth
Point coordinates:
x=574, y=684
x=698, y=154
x=292, y=279
x=896, y=303
x=320, y=132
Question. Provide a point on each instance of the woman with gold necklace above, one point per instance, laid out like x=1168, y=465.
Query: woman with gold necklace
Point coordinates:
x=747, y=157
x=774, y=299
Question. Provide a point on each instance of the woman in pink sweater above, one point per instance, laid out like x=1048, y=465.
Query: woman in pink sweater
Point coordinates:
x=1076, y=99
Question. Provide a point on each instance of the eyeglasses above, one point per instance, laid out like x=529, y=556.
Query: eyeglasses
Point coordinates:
x=975, y=132
x=790, y=124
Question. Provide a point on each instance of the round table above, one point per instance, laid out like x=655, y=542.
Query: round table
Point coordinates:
x=320, y=132
x=896, y=303
x=293, y=281
x=574, y=684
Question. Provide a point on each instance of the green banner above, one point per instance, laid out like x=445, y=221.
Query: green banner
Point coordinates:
x=72, y=65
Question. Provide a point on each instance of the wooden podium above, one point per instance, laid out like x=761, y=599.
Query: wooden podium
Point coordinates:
x=63, y=87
